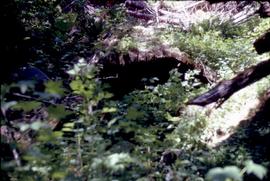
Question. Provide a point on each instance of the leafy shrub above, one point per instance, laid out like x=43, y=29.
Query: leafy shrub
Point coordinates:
x=74, y=130
x=234, y=173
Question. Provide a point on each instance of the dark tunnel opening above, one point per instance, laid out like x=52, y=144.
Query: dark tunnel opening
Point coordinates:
x=125, y=78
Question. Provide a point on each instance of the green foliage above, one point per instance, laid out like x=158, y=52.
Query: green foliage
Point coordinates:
x=54, y=88
x=258, y=170
x=122, y=139
x=126, y=44
x=234, y=173
x=58, y=112
x=65, y=22
x=223, y=46
x=26, y=105
x=75, y=130
x=230, y=172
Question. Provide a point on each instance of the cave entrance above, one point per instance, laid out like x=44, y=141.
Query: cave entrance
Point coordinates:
x=126, y=78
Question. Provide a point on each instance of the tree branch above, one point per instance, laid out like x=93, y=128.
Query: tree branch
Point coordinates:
x=227, y=88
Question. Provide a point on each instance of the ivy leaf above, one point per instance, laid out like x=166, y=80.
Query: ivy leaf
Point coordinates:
x=58, y=112
x=55, y=88
x=26, y=105
x=223, y=174
x=256, y=169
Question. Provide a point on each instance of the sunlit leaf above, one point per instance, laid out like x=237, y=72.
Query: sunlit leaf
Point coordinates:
x=223, y=174
x=256, y=169
x=57, y=134
x=55, y=88
x=77, y=86
x=118, y=161
x=72, y=72
x=111, y=122
x=67, y=129
x=171, y=118
x=69, y=125
x=109, y=110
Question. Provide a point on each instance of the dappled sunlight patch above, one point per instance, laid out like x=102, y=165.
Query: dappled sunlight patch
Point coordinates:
x=224, y=120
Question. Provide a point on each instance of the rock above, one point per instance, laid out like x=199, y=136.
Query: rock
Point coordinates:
x=30, y=73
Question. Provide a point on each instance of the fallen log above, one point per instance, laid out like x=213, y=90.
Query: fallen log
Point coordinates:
x=225, y=89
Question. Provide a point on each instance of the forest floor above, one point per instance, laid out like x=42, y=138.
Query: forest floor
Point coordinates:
x=224, y=121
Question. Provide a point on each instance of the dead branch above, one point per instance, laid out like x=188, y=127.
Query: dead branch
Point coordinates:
x=227, y=88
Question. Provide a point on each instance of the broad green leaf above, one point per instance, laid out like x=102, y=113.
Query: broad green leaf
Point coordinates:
x=67, y=129
x=256, y=169
x=58, y=112
x=55, y=88
x=76, y=85
x=69, y=125
x=26, y=105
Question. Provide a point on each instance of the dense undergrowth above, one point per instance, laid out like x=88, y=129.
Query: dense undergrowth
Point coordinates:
x=71, y=127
